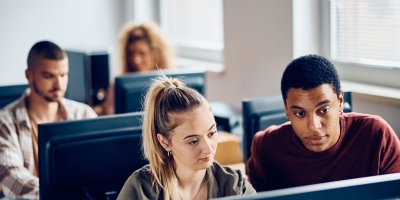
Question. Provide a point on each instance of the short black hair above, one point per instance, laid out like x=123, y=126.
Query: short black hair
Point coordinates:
x=44, y=49
x=308, y=72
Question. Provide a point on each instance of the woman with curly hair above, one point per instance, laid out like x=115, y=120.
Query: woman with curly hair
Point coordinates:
x=142, y=46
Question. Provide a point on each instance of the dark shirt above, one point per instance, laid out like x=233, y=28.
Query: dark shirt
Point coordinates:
x=367, y=146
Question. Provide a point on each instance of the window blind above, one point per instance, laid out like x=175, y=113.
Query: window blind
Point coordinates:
x=365, y=32
x=193, y=23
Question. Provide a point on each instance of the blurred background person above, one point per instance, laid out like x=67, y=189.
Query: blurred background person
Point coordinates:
x=142, y=46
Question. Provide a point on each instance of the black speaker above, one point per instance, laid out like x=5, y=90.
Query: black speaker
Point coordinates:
x=88, y=76
x=100, y=73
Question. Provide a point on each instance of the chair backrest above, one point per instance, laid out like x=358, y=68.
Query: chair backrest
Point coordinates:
x=260, y=113
x=11, y=93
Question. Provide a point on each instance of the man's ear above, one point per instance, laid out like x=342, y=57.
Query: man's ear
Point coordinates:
x=163, y=141
x=341, y=100
x=28, y=75
x=285, y=106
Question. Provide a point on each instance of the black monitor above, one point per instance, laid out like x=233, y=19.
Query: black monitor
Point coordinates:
x=89, y=158
x=78, y=77
x=373, y=187
x=131, y=88
x=11, y=93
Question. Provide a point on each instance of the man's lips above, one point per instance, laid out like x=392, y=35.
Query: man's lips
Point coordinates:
x=315, y=137
x=316, y=140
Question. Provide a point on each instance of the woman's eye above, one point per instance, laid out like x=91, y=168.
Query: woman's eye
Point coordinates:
x=193, y=142
x=300, y=114
x=213, y=133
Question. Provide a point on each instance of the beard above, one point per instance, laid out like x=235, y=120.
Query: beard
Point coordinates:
x=53, y=98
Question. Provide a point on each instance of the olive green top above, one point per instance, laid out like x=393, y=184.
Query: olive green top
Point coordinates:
x=223, y=181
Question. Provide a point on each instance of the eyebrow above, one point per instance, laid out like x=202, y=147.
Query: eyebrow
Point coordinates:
x=318, y=104
x=198, y=135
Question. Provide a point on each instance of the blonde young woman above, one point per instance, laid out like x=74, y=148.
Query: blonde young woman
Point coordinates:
x=141, y=47
x=180, y=139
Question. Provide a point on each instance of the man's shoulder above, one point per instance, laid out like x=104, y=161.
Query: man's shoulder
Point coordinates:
x=78, y=110
x=360, y=119
x=8, y=114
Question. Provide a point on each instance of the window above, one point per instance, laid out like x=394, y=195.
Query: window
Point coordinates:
x=366, y=32
x=195, y=27
x=364, y=40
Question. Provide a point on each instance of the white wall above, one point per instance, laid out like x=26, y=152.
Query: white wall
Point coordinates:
x=82, y=24
x=258, y=38
x=261, y=38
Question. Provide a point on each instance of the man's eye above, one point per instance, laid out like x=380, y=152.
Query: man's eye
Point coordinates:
x=325, y=110
x=193, y=142
x=299, y=114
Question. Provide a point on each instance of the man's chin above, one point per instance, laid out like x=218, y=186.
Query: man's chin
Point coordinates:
x=53, y=98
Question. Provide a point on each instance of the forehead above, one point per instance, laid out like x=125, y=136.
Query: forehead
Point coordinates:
x=197, y=121
x=54, y=66
x=310, y=98
x=138, y=45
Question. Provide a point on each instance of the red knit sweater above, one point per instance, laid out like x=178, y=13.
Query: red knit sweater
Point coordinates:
x=367, y=146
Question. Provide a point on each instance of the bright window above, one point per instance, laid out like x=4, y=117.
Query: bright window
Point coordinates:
x=195, y=27
x=365, y=32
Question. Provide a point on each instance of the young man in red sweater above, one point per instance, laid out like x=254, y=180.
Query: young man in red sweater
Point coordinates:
x=320, y=143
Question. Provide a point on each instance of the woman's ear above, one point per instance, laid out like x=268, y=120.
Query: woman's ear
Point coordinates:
x=163, y=141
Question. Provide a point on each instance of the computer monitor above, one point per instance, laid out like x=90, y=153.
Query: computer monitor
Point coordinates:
x=89, y=158
x=11, y=93
x=373, y=187
x=131, y=88
x=78, y=77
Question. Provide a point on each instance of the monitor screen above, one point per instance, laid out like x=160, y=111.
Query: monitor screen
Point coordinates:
x=11, y=93
x=131, y=88
x=373, y=187
x=89, y=158
x=78, y=78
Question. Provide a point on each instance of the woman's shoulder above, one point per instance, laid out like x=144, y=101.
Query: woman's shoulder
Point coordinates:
x=228, y=179
x=139, y=186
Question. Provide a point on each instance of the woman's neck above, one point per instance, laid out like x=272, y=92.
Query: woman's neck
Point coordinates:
x=191, y=183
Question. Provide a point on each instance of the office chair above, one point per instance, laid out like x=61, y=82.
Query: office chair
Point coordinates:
x=260, y=113
x=11, y=93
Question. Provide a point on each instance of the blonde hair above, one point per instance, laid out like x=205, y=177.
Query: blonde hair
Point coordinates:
x=165, y=99
x=150, y=32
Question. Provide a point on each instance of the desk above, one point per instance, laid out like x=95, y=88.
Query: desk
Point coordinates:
x=228, y=150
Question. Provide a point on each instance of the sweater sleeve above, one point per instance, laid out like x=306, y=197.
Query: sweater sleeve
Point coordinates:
x=390, y=150
x=254, y=166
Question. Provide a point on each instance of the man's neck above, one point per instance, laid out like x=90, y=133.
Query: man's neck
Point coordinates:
x=42, y=111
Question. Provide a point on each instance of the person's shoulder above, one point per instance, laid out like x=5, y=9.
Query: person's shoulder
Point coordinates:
x=367, y=120
x=140, y=177
x=78, y=108
x=373, y=125
x=139, y=186
x=226, y=174
x=230, y=181
x=8, y=114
